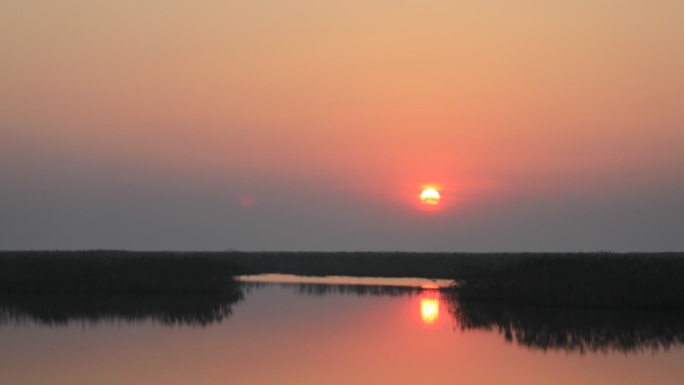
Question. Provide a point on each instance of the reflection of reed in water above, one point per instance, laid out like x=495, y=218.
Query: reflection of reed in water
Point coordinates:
x=175, y=309
x=321, y=289
x=573, y=329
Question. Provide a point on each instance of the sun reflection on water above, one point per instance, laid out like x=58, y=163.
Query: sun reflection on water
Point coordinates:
x=429, y=307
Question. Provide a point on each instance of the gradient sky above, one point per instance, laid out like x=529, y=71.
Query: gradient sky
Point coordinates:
x=309, y=125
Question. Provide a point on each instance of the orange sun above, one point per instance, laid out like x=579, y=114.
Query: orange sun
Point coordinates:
x=429, y=196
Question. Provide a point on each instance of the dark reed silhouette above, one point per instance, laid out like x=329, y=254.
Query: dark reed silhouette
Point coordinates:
x=114, y=272
x=166, y=309
x=363, y=264
x=357, y=264
x=555, y=279
x=585, y=280
x=576, y=330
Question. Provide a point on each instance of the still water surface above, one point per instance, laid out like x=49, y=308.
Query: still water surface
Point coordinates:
x=319, y=333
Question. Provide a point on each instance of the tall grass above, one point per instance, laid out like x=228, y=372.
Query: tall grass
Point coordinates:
x=114, y=272
x=568, y=279
x=363, y=264
x=585, y=280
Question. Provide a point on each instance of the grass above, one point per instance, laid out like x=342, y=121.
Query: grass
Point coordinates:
x=567, y=279
x=114, y=272
x=603, y=280
x=363, y=264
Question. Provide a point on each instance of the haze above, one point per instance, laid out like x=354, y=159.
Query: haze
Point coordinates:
x=308, y=125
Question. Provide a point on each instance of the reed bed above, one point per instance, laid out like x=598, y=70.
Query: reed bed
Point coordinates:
x=548, y=279
x=114, y=272
x=609, y=280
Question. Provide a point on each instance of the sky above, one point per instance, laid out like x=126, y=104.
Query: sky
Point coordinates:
x=309, y=125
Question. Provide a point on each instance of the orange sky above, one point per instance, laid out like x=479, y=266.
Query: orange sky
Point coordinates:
x=362, y=102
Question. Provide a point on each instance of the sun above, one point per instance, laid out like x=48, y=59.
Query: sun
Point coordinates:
x=429, y=196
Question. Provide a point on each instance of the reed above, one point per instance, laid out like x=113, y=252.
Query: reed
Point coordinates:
x=114, y=272
x=609, y=280
x=549, y=279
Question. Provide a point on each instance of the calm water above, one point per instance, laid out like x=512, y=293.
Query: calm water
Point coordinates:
x=316, y=333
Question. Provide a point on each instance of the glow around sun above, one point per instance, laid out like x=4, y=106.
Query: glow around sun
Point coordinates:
x=430, y=196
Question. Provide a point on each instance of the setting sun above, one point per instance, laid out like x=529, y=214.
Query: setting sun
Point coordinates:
x=430, y=196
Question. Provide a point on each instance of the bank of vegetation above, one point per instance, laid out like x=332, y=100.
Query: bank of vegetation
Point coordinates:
x=548, y=279
x=366, y=264
x=114, y=272
x=601, y=280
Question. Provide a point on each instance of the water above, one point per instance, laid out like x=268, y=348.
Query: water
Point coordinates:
x=337, y=333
